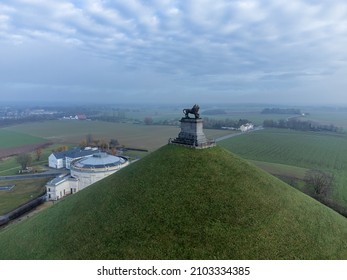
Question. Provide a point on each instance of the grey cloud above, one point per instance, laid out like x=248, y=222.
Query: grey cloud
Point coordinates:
x=210, y=46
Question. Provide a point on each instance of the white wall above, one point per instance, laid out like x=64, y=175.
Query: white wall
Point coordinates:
x=62, y=189
x=86, y=179
x=58, y=191
x=53, y=162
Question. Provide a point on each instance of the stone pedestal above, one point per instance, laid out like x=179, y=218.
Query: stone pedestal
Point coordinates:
x=192, y=134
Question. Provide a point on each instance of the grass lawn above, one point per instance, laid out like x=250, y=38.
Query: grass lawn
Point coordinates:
x=281, y=169
x=9, y=166
x=23, y=191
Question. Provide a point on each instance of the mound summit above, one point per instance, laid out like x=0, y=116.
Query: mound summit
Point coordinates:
x=181, y=203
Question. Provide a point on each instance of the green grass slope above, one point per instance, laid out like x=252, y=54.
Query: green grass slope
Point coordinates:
x=180, y=203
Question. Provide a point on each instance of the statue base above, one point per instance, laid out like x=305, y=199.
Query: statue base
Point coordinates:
x=192, y=135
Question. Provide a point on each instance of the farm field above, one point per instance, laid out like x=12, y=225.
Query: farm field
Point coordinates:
x=335, y=117
x=255, y=117
x=23, y=191
x=155, y=112
x=131, y=135
x=306, y=150
x=297, y=148
x=235, y=112
x=10, y=139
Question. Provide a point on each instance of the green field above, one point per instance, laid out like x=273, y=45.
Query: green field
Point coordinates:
x=306, y=150
x=23, y=191
x=303, y=149
x=131, y=135
x=336, y=117
x=255, y=117
x=10, y=138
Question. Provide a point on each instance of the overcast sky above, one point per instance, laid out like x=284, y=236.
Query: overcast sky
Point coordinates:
x=218, y=51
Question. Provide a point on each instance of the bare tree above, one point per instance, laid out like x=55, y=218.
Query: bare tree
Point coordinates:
x=321, y=182
x=114, y=143
x=96, y=142
x=83, y=144
x=89, y=139
x=104, y=145
x=62, y=148
x=24, y=160
x=38, y=153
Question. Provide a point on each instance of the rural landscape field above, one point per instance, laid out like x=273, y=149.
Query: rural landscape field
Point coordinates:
x=293, y=146
x=173, y=130
x=48, y=136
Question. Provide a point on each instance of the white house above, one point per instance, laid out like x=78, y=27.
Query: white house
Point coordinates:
x=246, y=127
x=56, y=160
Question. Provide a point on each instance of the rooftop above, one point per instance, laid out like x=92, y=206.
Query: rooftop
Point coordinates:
x=75, y=153
x=58, y=180
x=99, y=160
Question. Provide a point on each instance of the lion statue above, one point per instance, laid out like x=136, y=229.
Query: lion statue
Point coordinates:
x=194, y=111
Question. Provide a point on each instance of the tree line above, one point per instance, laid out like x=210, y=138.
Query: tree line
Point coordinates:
x=219, y=124
x=297, y=124
x=104, y=145
x=290, y=111
x=320, y=185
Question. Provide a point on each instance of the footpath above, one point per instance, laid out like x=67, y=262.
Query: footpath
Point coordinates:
x=237, y=134
x=46, y=174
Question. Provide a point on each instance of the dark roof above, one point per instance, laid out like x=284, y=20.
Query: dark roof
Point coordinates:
x=74, y=153
x=99, y=160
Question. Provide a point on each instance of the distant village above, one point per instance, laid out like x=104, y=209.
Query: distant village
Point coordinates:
x=16, y=115
x=81, y=117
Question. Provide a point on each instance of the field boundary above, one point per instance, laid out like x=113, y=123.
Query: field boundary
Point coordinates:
x=7, y=152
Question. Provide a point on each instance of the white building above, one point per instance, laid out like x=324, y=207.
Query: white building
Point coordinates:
x=63, y=159
x=60, y=187
x=84, y=172
x=246, y=127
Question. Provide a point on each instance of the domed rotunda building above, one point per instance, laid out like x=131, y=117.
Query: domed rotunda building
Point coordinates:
x=92, y=169
x=84, y=172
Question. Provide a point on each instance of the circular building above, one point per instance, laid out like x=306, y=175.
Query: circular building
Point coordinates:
x=89, y=170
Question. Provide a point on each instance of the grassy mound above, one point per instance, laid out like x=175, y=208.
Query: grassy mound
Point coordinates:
x=179, y=203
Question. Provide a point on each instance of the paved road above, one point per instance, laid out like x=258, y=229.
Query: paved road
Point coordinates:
x=47, y=174
x=237, y=134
